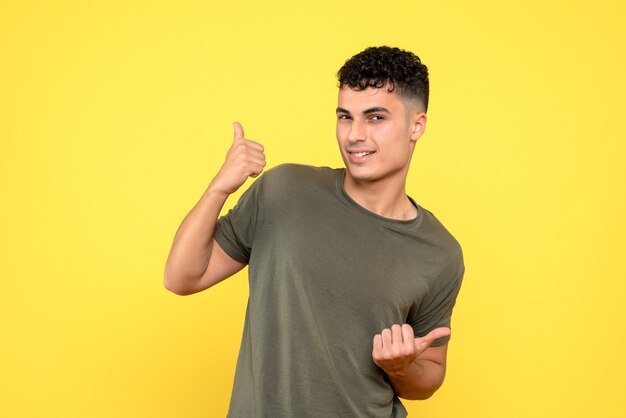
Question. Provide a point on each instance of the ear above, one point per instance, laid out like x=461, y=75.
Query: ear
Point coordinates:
x=418, y=124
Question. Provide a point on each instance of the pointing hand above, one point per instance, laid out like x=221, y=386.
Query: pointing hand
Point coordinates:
x=394, y=349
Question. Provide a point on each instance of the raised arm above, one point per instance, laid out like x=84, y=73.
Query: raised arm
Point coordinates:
x=196, y=261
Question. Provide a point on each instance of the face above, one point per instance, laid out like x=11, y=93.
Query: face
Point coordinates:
x=376, y=132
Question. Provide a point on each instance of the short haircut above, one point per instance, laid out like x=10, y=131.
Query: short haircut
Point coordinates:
x=382, y=66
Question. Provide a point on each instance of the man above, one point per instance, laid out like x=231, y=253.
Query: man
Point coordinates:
x=352, y=283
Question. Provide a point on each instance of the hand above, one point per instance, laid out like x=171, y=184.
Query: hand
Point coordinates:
x=396, y=348
x=244, y=159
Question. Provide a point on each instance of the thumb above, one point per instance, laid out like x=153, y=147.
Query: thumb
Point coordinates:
x=238, y=131
x=425, y=341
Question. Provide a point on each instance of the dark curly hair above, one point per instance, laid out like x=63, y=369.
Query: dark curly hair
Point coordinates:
x=385, y=66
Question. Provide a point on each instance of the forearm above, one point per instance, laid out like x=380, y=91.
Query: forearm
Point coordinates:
x=419, y=380
x=193, y=264
x=191, y=250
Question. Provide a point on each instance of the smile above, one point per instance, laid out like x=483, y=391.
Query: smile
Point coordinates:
x=360, y=157
x=361, y=154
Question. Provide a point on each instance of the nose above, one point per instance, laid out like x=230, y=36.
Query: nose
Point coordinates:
x=357, y=132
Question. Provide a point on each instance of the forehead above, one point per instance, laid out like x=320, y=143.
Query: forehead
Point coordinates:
x=357, y=101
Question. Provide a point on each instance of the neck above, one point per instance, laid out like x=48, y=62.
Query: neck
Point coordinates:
x=385, y=197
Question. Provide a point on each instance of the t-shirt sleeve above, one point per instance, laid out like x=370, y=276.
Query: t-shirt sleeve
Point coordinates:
x=235, y=230
x=435, y=309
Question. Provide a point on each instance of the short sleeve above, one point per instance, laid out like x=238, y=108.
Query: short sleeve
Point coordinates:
x=435, y=309
x=235, y=230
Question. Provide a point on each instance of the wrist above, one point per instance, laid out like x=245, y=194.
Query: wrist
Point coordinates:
x=409, y=369
x=217, y=190
x=215, y=194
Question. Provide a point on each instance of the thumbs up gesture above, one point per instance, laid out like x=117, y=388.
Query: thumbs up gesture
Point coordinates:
x=244, y=159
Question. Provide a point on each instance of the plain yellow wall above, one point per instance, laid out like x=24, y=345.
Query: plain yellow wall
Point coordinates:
x=114, y=116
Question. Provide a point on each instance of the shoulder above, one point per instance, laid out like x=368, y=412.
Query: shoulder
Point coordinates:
x=441, y=238
x=292, y=169
x=289, y=189
x=297, y=175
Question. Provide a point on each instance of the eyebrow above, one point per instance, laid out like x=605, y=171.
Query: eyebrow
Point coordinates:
x=366, y=111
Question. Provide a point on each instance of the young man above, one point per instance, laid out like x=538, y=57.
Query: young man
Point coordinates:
x=352, y=283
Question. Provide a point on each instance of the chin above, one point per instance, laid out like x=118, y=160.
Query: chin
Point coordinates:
x=359, y=174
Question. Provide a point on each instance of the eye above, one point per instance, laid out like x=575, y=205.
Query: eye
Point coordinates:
x=343, y=117
x=377, y=117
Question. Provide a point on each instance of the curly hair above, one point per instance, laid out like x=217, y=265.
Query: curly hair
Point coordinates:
x=385, y=66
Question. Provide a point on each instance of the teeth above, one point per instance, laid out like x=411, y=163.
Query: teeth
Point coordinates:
x=361, y=154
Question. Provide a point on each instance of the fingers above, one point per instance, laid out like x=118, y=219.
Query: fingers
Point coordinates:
x=397, y=334
x=436, y=334
x=239, y=136
x=238, y=131
x=395, y=348
x=397, y=344
x=378, y=343
x=387, y=338
x=399, y=339
x=393, y=342
x=425, y=341
x=407, y=333
x=244, y=159
x=249, y=158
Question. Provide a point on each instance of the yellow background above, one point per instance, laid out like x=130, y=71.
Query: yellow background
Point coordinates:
x=115, y=115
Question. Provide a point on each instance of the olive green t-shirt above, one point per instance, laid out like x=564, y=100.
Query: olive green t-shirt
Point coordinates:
x=325, y=276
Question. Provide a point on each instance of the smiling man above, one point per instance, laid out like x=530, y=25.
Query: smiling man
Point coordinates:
x=352, y=283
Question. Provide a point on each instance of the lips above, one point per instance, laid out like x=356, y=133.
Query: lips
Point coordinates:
x=362, y=154
x=359, y=156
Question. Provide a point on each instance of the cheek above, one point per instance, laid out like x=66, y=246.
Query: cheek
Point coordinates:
x=385, y=136
x=342, y=131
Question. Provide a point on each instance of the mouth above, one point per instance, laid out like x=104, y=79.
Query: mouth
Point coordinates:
x=361, y=153
x=360, y=156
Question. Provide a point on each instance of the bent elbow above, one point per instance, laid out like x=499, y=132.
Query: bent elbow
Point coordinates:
x=417, y=396
x=421, y=393
x=423, y=396
x=176, y=286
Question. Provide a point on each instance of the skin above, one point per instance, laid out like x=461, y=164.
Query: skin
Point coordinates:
x=196, y=262
x=386, y=127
